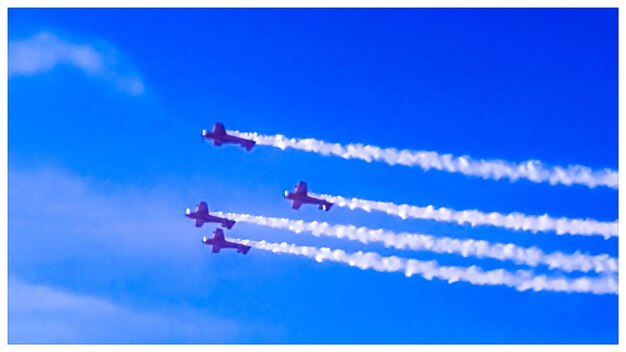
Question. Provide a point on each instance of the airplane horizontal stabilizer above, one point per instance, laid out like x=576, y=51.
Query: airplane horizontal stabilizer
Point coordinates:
x=228, y=224
x=326, y=206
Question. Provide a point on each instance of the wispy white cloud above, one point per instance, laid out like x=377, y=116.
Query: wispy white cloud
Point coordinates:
x=44, y=51
x=513, y=221
x=84, y=211
x=522, y=280
x=532, y=170
x=43, y=314
x=75, y=219
x=532, y=256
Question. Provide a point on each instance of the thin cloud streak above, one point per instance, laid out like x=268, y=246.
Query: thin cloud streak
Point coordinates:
x=532, y=170
x=45, y=314
x=44, y=51
x=521, y=280
x=514, y=221
x=532, y=256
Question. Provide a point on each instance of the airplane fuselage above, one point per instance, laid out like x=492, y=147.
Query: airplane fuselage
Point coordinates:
x=205, y=217
x=202, y=218
x=221, y=244
x=218, y=139
x=225, y=138
x=304, y=199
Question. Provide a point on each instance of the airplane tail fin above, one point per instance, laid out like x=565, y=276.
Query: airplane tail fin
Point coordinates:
x=243, y=249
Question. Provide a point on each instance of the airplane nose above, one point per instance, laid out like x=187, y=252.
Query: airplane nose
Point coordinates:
x=286, y=193
x=203, y=133
x=203, y=238
x=188, y=211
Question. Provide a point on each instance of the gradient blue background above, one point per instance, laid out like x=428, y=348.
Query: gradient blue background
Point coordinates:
x=99, y=179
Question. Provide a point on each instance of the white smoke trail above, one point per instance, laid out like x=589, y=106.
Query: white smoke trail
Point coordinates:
x=532, y=170
x=532, y=256
x=521, y=280
x=515, y=221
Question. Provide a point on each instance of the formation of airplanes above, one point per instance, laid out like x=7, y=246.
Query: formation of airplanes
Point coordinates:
x=201, y=215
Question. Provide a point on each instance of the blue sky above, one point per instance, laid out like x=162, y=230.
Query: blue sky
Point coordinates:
x=106, y=107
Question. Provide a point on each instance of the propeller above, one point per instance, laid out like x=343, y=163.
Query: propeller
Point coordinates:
x=203, y=244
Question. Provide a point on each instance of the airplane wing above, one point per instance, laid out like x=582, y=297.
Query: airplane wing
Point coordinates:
x=218, y=128
x=216, y=248
x=202, y=208
x=219, y=235
x=296, y=204
x=301, y=188
x=199, y=223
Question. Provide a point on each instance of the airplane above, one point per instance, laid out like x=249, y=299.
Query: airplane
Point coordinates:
x=219, y=136
x=201, y=215
x=300, y=197
x=218, y=242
